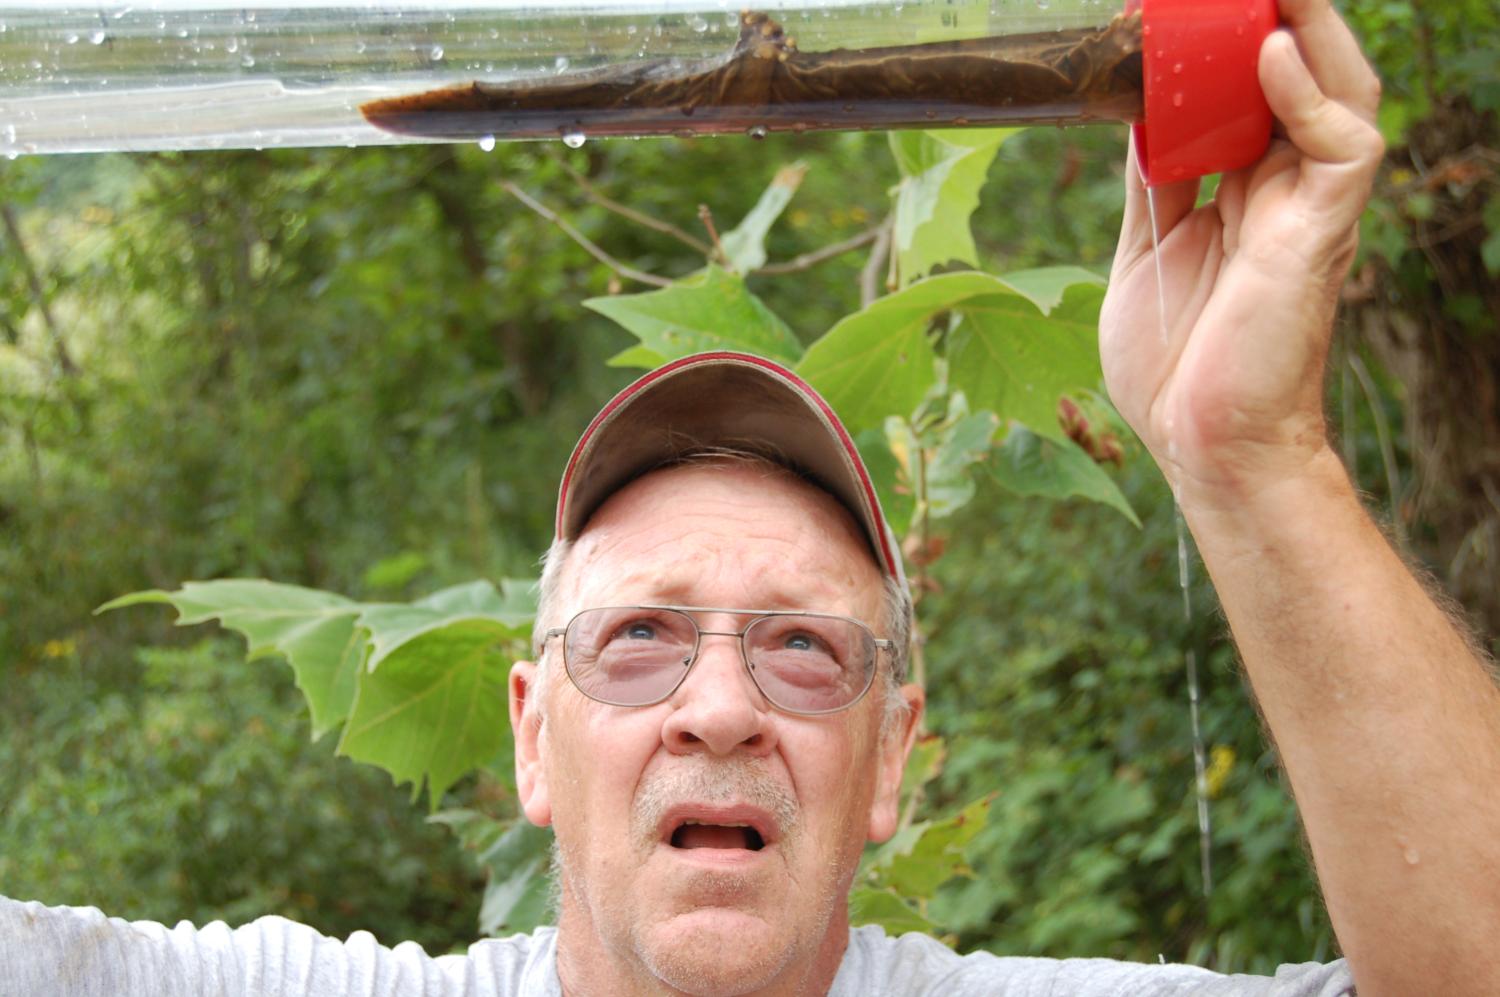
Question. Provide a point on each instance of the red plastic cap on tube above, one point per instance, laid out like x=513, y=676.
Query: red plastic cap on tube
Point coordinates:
x=1205, y=112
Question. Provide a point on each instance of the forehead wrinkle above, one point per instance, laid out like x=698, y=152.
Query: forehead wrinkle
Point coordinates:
x=746, y=531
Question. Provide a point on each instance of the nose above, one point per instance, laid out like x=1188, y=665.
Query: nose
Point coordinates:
x=718, y=709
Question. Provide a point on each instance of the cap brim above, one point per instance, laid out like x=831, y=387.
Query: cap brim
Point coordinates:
x=721, y=400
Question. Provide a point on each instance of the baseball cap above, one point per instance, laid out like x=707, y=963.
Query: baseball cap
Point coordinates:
x=721, y=400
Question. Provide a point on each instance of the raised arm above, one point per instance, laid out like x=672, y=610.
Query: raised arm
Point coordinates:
x=1386, y=718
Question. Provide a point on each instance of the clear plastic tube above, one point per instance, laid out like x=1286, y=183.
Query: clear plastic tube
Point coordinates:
x=179, y=74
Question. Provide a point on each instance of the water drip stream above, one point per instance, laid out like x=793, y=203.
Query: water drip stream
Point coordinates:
x=1184, y=580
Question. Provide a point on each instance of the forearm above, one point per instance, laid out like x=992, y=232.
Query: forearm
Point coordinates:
x=1386, y=720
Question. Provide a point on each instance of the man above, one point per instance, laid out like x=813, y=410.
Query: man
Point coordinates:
x=716, y=722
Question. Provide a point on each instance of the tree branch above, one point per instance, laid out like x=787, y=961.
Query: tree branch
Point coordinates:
x=629, y=213
x=707, y=218
x=38, y=294
x=869, y=277
x=807, y=261
x=628, y=272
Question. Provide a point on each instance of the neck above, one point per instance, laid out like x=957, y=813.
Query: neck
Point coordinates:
x=591, y=963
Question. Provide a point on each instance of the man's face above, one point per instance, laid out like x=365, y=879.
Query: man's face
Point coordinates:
x=660, y=878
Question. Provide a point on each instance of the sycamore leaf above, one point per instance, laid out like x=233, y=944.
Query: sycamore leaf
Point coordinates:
x=879, y=361
x=514, y=855
x=941, y=175
x=315, y=631
x=1016, y=360
x=432, y=705
x=888, y=476
x=517, y=894
x=925, y=764
x=745, y=245
x=393, y=626
x=711, y=310
x=1029, y=464
x=1021, y=342
x=924, y=856
x=963, y=443
x=869, y=905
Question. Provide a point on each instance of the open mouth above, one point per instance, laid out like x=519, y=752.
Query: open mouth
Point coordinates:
x=695, y=834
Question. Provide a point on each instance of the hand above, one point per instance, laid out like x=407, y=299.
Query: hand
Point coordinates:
x=1231, y=398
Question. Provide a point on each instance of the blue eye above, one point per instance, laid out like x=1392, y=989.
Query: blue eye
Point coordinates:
x=800, y=642
x=639, y=631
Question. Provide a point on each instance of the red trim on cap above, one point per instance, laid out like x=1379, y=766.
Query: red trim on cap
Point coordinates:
x=892, y=566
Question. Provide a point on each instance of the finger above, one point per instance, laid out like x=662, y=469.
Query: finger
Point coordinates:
x=1173, y=202
x=1333, y=55
x=1342, y=150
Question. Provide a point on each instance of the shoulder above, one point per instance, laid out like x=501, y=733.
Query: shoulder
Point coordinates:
x=917, y=965
x=55, y=951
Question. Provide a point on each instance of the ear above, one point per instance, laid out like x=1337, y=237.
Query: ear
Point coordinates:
x=526, y=725
x=893, y=750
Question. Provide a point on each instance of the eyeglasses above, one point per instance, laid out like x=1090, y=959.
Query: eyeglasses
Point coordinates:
x=803, y=663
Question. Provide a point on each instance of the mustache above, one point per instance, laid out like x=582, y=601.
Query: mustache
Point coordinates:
x=712, y=783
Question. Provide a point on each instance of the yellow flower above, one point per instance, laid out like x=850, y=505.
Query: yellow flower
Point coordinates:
x=1220, y=763
x=59, y=648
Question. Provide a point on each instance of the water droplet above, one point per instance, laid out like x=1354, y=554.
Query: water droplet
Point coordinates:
x=71, y=38
x=574, y=138
x=561, y=65
x=435, y=53
x=96, y=37
x=233, y=45
x=1177, y=69
x=12, y=155
x=1411, y=855
x=487, y=143
x=1177, y=100
x=698, y=23
x=756, y=131
x=247, y=60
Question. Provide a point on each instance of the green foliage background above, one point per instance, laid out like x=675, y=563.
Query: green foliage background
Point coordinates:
x=361, y=370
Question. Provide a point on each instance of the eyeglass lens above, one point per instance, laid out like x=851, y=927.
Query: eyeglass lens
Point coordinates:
x=802, y=663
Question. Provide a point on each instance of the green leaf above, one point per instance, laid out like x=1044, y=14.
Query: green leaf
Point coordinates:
x=745, y=246
x=637, y=356
x=1029, y=464
x=924, y=764
x=924, y=856
x=1047, y=287
x=896, y=500
x=942, y=173
x=514, y=855
x=432, y=705
x=868, y=905
x=315, y=631
x=962, y=444
x=1024, y=340
x=1017, y=361
x=517, y=894
x=711, y=310
x=393, y=626
x=879, y=362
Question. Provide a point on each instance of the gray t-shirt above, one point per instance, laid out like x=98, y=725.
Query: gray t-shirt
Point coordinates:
x=78, y=952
